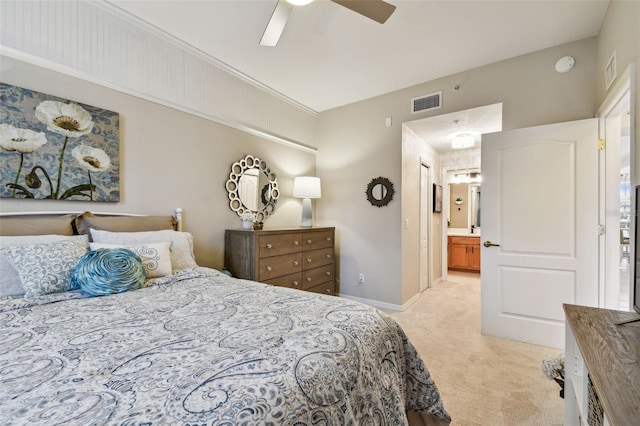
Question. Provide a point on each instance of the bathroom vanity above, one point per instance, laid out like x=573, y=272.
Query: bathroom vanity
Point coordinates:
x=464, y=252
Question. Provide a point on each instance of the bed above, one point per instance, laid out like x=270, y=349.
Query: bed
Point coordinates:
x=193, y=346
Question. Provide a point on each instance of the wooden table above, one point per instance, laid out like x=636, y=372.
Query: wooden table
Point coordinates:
x=610, y=355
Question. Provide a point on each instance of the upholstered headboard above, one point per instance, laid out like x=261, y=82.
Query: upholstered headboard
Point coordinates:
x=77, y=223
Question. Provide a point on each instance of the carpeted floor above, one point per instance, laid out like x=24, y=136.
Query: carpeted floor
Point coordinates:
x=483, y=380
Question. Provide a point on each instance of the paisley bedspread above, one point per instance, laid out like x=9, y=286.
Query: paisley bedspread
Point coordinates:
x=201, y=348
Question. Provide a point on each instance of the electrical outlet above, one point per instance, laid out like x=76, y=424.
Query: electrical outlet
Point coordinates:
x=361, y=279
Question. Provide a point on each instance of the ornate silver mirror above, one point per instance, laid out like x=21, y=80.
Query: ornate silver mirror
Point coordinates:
x=252, y=186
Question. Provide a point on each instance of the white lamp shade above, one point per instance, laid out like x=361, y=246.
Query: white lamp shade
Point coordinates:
x=306, y=187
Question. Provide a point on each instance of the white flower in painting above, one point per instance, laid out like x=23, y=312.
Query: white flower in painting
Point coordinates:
x=70, y=119
x=91, y=159
x=21, y=140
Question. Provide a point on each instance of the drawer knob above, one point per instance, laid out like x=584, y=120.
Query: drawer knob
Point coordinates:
x=328, y=290
x=269, y=246
x=295, y=243
x=269, y=268
x=308, y=260
x=309, y=279
x=328, y=256
x=296, y=284
x=328, y=239
x=295, y=263
x=308, y=241
x=328, y=273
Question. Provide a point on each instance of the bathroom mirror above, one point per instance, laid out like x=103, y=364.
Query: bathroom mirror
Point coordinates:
x=474, y=199
x=252, y=186
x=465, y=206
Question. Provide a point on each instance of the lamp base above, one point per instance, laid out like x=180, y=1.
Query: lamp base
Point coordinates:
x=306, y=213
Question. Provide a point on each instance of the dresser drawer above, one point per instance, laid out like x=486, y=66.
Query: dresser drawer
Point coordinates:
x=316, y=258
x=293, y=257
x=317, y=240
x=326, y=288
x=313, y=277
x=276, y=266
x=291, y=281
x=275, y=245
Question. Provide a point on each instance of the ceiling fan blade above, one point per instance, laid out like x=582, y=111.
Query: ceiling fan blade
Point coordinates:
x=276, y=24
x=377, y=10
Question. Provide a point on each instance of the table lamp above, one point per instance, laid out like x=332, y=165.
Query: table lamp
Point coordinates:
x=306, y=187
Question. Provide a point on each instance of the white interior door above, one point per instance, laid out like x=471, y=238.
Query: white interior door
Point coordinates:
x=425, y=216
x=540, y=204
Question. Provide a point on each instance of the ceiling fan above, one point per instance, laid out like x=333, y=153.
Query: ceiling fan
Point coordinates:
x=377, y=10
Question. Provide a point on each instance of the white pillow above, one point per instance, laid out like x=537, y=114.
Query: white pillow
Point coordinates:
x=156, y=257
x=44, y=268
x=181, y=243
x=10, y=282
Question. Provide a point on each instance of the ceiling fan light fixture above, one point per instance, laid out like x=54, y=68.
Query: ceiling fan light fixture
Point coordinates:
x=299, y=2
x=463, y=140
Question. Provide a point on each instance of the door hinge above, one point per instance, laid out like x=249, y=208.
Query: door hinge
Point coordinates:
x=600, y=229
x=601, y=144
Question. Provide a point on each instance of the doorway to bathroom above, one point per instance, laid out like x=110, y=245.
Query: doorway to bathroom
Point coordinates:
x=454, y=140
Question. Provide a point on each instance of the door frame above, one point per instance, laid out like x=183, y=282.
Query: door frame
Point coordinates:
x=446, y=204
x=426, y=217
x=626, y=84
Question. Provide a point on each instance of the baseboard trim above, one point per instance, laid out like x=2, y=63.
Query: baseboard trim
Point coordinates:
x=382, y=305
x=437, y=281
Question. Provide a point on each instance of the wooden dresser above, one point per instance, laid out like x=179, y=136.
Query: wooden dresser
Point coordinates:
x=296, y=258
x=463, y=253
x=602, y=367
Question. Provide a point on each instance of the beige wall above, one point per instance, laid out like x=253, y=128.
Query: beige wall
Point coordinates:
x=169, y=159
x=179, y=160
x=354, y=146
x=459, y=214
x=620, y=32
x=415, y=153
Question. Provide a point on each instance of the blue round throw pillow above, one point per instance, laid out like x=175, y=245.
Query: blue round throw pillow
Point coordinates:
x=107, y=271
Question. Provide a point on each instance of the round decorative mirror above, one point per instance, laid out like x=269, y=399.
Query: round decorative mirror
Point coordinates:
x=252, y=186
x=380, y=191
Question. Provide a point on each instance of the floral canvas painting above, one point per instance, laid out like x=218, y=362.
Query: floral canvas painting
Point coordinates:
x=53, y=148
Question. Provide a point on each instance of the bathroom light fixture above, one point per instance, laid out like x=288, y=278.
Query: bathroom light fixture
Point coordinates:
x=463, y=140
x=306, y=187
x=299, y=2
x=467, y=177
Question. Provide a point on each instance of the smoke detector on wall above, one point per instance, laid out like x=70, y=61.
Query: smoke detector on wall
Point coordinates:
x=565, y=64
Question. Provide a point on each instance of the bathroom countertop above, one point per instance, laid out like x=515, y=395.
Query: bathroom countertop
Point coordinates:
x=463, y=234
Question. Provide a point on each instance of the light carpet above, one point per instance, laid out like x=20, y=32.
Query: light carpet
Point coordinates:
x=483, y=380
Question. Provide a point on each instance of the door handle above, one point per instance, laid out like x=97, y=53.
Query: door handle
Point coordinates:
x=490, y=244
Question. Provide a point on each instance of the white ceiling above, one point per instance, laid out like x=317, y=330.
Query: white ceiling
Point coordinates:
x=329, y=56
x=438, y=131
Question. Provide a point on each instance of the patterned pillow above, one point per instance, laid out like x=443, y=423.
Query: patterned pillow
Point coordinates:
x=107, y=271
x=44, y=268
x=181, y=243
x=156, y=257
x=10, y=282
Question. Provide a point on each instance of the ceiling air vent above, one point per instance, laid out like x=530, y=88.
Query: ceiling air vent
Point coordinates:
x=426, y=103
